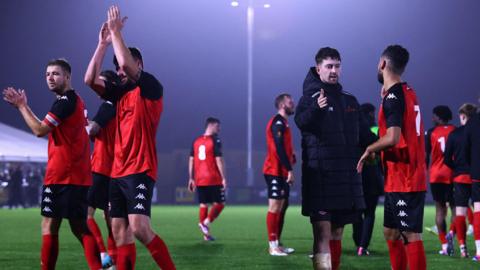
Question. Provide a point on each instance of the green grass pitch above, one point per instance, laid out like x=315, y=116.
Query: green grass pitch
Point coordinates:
x=241, y=242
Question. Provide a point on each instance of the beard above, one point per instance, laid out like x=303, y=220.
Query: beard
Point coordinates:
x=289, y=111
x=380, y=77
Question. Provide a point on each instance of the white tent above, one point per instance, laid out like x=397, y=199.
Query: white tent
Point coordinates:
x=18, y=145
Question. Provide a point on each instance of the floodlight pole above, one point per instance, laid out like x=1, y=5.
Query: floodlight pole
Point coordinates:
x=250, y=17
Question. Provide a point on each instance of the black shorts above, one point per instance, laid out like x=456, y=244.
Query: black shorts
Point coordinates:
x=404, y=211
x=462, y=194
x=131, y=194
x=475, y=191
x=98, y=192
x=442, y=193
x=64, y=201
x=337, y=217
x=278, y=188
x=211, y=194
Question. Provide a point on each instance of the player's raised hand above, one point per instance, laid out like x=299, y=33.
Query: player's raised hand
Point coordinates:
x=322, y=100
x=115, y=22
x=191, y=185
x=290, y=179
x=104, y=37
x=14, y=97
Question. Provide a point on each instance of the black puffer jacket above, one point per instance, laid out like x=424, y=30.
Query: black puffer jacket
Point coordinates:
x=332, y=142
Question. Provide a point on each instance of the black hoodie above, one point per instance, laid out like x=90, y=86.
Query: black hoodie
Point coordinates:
x=332, y=142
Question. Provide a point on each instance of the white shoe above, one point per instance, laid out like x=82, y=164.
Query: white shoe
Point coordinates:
x=204, y=228
x=287, y=250
x=470, y=229
x=276, y=252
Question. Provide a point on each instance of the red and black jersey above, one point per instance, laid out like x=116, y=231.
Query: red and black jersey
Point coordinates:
x=404, y=163
x=139, y=108
x=472, y=146
x=103, y=149
x=280, y=156
x=68, y=143
x=205, y=150
x=435, y=143
x=455, y=157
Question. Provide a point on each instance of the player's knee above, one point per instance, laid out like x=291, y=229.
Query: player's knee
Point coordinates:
x=142, y=232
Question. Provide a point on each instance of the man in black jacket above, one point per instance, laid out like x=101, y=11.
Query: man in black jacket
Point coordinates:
x=332, y=131
x=372, y=178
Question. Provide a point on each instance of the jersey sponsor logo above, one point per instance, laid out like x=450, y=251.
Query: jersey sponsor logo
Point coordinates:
x=403, y=223
x=391, y=96
x=141, y=186
x=47, y=200
x=140, y=196
x=401, y=203
x=47, y=209
x=48, y=190
x=402, y=214
x=139, y=206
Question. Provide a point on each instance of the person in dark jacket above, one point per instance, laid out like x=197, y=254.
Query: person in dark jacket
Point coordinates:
x=330, y=123
x=372, y=179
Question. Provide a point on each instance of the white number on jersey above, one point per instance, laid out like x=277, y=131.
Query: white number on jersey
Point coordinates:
x=441, y=140
x=202, y=154
x=417, y=119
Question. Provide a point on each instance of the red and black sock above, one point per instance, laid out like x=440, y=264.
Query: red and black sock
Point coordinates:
x=461, y=226
x=281, y=221
x=398, y=256
x=272, y=226
x=442, y=236
x=90, y=249
x=416, y=256
x=95, y=230
x=470, y=215
x=49, y=253
x=476, y=225
x=202, y=213
x=336, y=253
x=215, y=211
x=126, y=257
x=160, y=254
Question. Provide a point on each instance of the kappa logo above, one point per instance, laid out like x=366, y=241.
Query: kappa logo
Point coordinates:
x=141, y=186
x=402, y=214
x=62, y=97
x=274, y=194
x=47, y=200
x=401, y=203
x=139, y=206
x=274, y=188
x=279, y=123
x=47, y=209
x=391, y=96
x=403, y=223
x=140, y=196
x=274, y=181
x=48, y=190
x=330, y=109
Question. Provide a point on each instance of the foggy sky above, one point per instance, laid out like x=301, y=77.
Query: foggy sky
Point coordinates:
x=197, y=49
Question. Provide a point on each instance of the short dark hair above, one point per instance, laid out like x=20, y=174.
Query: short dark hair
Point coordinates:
x=327, y=52
x=280, y=98
x=211, y=120
x=443, y=112
x=135, y=53
x=398, y=58
x=468, y=109
x=367, y=108
x=61, y=62
x=111, y=76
